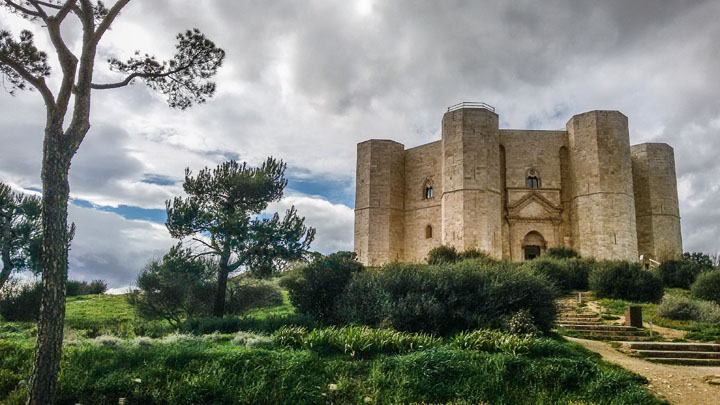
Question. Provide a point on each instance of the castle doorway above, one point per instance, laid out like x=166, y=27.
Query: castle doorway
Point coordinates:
x=533, y=245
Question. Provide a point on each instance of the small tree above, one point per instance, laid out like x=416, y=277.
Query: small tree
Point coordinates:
x=20, y=232
x=221, y=212
x=176, y=287
x=185, y=79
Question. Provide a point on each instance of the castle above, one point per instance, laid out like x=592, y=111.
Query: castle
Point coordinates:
x=515, y=193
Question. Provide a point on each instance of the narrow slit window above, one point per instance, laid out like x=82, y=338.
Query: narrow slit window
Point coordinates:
x=533, y=182
x=428, y=232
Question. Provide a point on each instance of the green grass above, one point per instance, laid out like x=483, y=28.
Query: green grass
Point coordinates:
x=700, y=331
x=215, y=370
x=355, y=365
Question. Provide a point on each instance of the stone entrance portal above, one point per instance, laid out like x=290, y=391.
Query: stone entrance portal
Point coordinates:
x=531, y=252
x=533, y=245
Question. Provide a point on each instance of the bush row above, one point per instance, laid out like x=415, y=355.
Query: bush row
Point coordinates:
x=442, y=299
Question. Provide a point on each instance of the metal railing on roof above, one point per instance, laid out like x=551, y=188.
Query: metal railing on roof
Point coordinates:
x=467, y=104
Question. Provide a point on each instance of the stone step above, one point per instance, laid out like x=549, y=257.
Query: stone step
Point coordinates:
x=612, y=334
x=579, y=316
x=685, y=361
x=672, y=346
x=607, y=328
x=572, y=323
x=623, y=338
x=666, y=354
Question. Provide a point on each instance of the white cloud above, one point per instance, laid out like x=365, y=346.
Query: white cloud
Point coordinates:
x=307, y=81
x=333, y=222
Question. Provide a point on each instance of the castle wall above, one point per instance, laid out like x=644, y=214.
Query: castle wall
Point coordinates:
x=538, y=151
x=379, y=202
x=596, y=195
x=656, y=203
x=422, y=166
x=471, y=198
x=603, y=206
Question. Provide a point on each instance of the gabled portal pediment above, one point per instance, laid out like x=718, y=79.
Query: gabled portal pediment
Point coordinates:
x=534, y=207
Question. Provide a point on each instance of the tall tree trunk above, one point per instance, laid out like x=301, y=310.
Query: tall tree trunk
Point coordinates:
x=219, y=309
x=6, y=260
x=56, y=163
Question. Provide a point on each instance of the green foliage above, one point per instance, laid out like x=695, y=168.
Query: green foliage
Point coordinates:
x=442, y=254
x=688, y=309
x=447, y=254
x=707, y=286
x=625, y=280
x=20, y=301
x=354, y=340
x=76, y=288
x=493, y=341
x=185, y=79
x=315, y=288
x=701, y=259
x=680, y=273
x=175, y=287
x=561, y=252
x=20, y=232
x=566, y=274
x=448, y=298
x=224, y=204
x=364, y=301
x=268, y=324
x=245, y=293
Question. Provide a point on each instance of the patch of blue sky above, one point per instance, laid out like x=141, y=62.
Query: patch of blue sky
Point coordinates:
x=337, y=191
x=158, y=179
x=127, y=212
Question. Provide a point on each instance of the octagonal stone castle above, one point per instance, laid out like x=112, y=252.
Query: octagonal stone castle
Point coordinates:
x=515, y=193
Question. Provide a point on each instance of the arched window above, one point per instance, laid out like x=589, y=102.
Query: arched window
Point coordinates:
x=533, y=182
x=428, y=232
x=428, y=190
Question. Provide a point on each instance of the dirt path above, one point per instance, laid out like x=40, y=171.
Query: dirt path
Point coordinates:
x=676, y=384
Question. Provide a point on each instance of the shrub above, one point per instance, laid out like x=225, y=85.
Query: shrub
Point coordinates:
x=246, y=293
x=175, y=287
x=473, y=254
x=688, y=309
x=442, y=254
x=452, y=297
x=707, y=286
x=364, y=301
x=20, y=302
x=522, y=323
x=679, y=273
x=315, y=288
x=77, y=288
x=561, y=252
x=626, y=281
x=268, y=324
x=565, y=274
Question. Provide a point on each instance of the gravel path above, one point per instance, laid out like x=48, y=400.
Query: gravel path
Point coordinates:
x=676, y=384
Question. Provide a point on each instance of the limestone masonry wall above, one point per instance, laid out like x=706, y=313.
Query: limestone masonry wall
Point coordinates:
x=515, y=193
x=656, y=203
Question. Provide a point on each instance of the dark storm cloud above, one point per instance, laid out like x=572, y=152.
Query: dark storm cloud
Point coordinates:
x=305, y=81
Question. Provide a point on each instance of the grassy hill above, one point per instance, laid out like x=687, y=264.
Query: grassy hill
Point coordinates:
x=111, y=353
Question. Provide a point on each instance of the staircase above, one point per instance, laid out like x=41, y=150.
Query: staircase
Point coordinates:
x=587, y=324
x=676, y=353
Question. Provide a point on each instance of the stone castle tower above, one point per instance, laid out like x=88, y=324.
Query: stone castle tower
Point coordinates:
x=515, y=193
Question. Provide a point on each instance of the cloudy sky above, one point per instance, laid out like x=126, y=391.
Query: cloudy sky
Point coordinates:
x=306, y=81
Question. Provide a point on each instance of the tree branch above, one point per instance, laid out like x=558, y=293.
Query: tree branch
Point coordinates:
x=37, y=82
x=23, y=10
x=105, y=24
x=209, y=246
x=136, y=75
